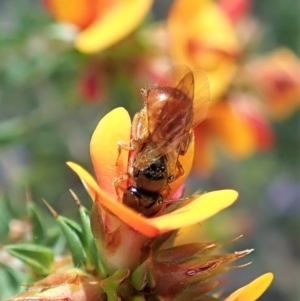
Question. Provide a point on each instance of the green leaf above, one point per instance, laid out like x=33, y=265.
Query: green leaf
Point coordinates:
x=89, y=242
x=85, y=222
x=139, y=277
x=38, y=229
x=118, y=276
x=39, y=258
x=10, y=130
x=73, y=235
x=5, y=217
x=111, y=291
x=11, y=280
x=110, y=285
x=137, y=298
x=74, y=225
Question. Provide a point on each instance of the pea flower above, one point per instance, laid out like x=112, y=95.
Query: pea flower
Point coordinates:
x=124, y=255
x=115, y=127
x=124, y=236
x=100, y=23
x=202, y=36
x=276, y=78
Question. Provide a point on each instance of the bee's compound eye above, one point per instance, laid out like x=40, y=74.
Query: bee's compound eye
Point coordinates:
x=145, y=202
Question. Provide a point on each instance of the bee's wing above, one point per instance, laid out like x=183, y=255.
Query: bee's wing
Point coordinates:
x=201, y=97
x=175, y=116
x=176, y=77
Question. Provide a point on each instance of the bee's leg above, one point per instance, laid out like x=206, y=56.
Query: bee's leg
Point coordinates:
x=118, y=181
x=139, y=132
x=124, y=146
x=180, y=172
x=139, y=126
x=184, y=145
x=168, y=191
x=180, y=169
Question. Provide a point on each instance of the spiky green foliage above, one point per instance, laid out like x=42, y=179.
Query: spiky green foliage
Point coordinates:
x=164, y=272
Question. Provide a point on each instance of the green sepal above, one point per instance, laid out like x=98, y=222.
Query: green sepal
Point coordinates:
x=198, y=291
x=150, y=280
x=117, y=276
x=89, y=242
x=183, y=253
x=73, y=234
x=39, y=258
x=38, y=229
x=138, y=278
x=137, y=298
x=111, y=285
x=111, y=291
x=157, y=298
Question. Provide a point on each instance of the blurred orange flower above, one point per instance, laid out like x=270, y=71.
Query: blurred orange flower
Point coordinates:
x=235, y=9
x=276, y=76
x=202, y=36
x=101, y=23
x=114, y=127
x=239, y=127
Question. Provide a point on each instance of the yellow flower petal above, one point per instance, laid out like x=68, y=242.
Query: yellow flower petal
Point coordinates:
x=253, y=290
x=203, y=207
x=111, y=27
x=200, y=209
x=113, y=127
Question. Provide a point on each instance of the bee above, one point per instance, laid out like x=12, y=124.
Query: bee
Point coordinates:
x=162, y=132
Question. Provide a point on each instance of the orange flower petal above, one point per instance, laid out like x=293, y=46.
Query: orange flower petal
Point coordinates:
x=78, y=12
x=113, y=127
x=233, y=131
x=200, y=209
x=253, y=290
x=125, y=214
x=248, y=110
x=111, y=27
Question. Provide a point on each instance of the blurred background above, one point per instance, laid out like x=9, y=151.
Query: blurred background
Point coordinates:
x=65, y=64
